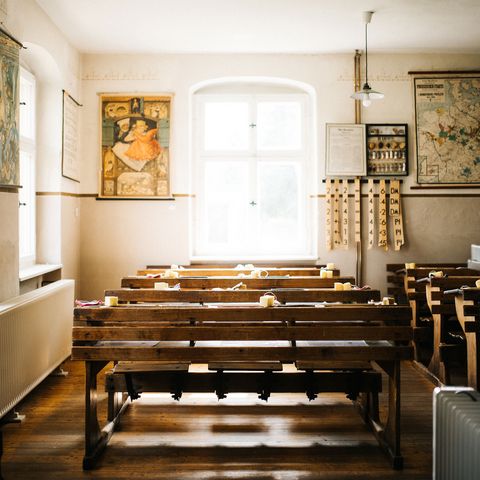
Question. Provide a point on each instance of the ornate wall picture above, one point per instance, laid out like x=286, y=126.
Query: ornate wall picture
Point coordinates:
x=447, y=117
x=135, y=145
x=9, y=98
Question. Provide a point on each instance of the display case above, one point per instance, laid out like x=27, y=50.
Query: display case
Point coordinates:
x=387, y=149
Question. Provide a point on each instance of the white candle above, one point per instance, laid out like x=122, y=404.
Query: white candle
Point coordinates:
x=111, y=301
x=160, y=285
x=323, y=274
x=410, y=266
x=338, y=286
x=347, y=286
x=329, y=273
x=330, y=266
x=267, y=300
x=477, y=283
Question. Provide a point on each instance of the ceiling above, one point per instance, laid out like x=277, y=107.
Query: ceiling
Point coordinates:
x=267, y=26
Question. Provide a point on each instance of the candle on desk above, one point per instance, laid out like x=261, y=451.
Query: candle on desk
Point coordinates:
x=388, y=301
x=477, y=283
x=338, y=286
x=323, y=274
x=347, y=286
x=170, y=274
x=111, y=301
x=410, y=266
x=267, y=300
x=329, y=273
x=160, y=285
x=330, y=266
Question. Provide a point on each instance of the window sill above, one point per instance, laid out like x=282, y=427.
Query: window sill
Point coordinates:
x=37, y=270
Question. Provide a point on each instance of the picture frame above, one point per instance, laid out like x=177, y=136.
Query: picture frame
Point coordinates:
x=446, y=117
x=135, y=145
x=70, y=136
x=345, y=150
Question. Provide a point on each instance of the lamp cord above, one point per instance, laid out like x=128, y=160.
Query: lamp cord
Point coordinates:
x=366, y=54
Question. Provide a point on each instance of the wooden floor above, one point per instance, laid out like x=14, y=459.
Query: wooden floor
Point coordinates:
x=198, y=438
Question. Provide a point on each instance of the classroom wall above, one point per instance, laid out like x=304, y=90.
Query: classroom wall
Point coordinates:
x=117, y=237
x=56, y=65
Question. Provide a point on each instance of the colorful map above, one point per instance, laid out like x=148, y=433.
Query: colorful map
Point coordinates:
x=447, y=114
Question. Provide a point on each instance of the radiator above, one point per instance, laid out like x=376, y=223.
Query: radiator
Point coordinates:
x=456, y=433
x=35, y=338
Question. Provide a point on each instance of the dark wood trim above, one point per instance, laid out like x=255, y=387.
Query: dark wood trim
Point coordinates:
x=5, y=188
x=444, y=72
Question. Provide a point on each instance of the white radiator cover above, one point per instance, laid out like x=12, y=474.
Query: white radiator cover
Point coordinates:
x=456, y=433
x=35, y=338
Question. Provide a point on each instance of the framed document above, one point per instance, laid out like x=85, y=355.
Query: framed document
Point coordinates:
x=70, y=156
x=345, y=150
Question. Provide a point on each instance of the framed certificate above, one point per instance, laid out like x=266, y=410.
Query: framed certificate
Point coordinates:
x=345, y=150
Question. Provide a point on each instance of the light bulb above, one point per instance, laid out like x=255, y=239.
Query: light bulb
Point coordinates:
x=366, y=102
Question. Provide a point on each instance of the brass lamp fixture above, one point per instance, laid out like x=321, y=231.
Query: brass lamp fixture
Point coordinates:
x=366, y=94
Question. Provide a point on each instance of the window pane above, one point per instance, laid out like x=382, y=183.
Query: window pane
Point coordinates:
x=281, y=228
x=226, y=126
x=226, y=192
x=27, y=106
x=279, y=126
x=27, y=208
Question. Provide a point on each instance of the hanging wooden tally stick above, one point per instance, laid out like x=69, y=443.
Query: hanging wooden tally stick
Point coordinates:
x=396, y=214
x=382, y=216
x=358, y=218
x=371, y=214
x=345, y=213
x=328, y=214
x=337, y=239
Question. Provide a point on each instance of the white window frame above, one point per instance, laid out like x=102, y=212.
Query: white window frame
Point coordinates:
x=303, y=156
x=27, y=144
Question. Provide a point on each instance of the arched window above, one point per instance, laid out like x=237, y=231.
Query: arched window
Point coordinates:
x=253, y=171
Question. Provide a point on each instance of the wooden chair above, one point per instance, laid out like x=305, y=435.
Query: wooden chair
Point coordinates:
x=143, y=334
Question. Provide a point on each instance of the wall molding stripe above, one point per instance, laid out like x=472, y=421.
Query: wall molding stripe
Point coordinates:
x=94, y=195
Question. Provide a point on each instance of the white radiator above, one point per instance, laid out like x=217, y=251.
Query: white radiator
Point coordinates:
x=456, y=433
x=35, y=338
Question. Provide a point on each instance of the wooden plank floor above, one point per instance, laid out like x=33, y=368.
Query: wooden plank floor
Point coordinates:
x=198, y=438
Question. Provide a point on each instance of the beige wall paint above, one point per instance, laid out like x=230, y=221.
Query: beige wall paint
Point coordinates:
x=111, y=247
x=8, y=245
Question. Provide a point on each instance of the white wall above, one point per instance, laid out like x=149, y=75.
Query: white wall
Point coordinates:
x=56, y=65
x=120, y=236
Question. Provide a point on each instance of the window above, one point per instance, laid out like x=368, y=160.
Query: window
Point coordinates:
x=252, y=159
x=27, y=169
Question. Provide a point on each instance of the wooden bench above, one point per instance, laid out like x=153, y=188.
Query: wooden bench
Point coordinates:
x=228, y=296
x=229, y=282
x=232, y=272
x=335, y=345
x=467, y=307
x=445, y=323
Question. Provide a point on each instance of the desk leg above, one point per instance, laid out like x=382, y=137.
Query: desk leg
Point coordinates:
x=473, y=360
x=389, y=438
x=436, y=366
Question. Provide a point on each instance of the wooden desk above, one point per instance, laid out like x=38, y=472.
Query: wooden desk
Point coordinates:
x=233, y=272
x=367, y=333
x=467, y=306
x=229, y=296
x=442, y=308
x=228, y=282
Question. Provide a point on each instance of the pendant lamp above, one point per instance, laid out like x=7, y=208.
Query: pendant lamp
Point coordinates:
x=366, y=94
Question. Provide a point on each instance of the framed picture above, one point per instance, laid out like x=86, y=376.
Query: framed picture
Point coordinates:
x=345, y=150
x=70, y=134
x=135, y=145
x=447, y=122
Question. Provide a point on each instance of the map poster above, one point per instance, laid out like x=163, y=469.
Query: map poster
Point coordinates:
x=135, y=148
x=447, y=120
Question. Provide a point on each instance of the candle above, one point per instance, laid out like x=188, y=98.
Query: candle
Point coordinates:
x=111, y=301
x=410, y=266
x=267, y=300
x=330, y=266
x=170, y=274
x=388, y=301
x=338, y=286
x=329, y=273
x=160, y=285
x=323, y=274
x=477, y=283
x=347, y=286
